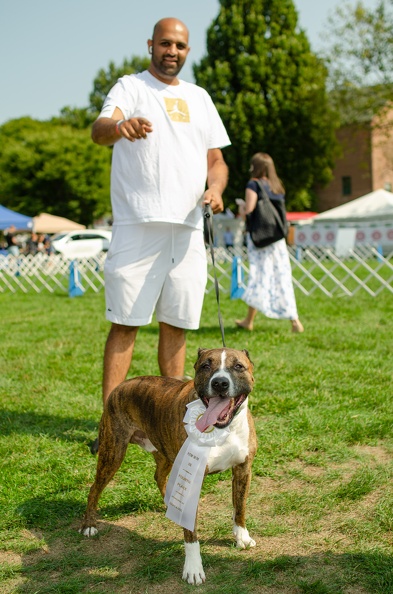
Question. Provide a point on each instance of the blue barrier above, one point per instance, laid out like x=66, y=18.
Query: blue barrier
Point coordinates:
x=237, y=280
x=75, y=288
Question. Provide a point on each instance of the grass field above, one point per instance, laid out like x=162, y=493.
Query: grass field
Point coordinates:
x=321, y=502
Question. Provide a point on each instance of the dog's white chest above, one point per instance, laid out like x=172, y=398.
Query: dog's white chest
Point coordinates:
x=235, y=448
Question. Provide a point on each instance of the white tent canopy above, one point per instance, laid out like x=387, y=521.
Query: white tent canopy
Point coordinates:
x=376, y=206
x=47, y=223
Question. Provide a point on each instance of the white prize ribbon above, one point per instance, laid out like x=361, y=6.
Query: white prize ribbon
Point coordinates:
x=185, y=481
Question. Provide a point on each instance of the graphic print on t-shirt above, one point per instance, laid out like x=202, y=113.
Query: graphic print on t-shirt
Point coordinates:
x=177, y=109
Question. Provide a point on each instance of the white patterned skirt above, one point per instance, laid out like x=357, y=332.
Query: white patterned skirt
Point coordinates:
x=270, y=288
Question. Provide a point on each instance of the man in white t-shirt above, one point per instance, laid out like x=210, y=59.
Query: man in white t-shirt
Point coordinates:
x=167, y=138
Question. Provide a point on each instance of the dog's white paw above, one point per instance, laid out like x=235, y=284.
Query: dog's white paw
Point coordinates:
x=243, y=539
x=193, y=569
x=90, y=531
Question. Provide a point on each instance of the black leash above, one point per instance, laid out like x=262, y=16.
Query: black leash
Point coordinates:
x=208, y=216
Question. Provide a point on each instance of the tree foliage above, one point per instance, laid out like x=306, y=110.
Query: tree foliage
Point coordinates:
x=271, y=94
x=47, y=167
x=54, y=166
x=358, y=50
x=76, y=117
x=105, y=79
x=359, y=44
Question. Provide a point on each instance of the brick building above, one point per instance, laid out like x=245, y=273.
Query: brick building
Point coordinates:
x=365, y=163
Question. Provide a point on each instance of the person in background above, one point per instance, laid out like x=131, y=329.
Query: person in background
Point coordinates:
x=11, y=242
x=228, y=238
x=41, y=242
x=167, y=138
x=270, y=287
x=47, y=243
x=32, y=244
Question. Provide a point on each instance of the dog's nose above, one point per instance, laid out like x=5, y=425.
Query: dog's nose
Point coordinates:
x=220, y=384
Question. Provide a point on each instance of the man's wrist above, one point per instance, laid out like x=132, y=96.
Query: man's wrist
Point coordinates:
x=117, y=127
x=216, y=187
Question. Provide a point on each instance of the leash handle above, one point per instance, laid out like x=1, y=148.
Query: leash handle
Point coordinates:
x=208, y=224
x=207, y=211
x=208, y=216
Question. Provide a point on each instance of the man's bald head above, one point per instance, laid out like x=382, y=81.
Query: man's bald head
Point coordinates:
x=169, y=49
x=169, y=23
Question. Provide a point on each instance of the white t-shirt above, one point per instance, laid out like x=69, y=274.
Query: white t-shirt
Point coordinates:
x=163, y=177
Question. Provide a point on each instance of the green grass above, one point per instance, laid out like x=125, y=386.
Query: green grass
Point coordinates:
x=321, y=502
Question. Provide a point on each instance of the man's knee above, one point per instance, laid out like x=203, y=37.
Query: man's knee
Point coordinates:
x=122, y=329
x=119, y=334
x=168, y=330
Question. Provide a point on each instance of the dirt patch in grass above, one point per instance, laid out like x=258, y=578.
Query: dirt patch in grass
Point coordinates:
x=10, y=558
x=377, y=453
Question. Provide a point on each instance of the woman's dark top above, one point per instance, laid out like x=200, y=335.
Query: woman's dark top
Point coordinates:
x=252, y=184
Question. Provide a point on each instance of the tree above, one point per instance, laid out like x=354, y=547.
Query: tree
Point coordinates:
x=47, y=167
x=105, y=80
x=359, y=44
x=76, y=117
x=358, y=51
x=270, y=91
x=54, y=166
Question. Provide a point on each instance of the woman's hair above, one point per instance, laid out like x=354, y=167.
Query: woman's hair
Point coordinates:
x=262, y=165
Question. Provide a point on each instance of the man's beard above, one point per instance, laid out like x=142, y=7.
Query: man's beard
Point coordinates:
x=166, y=69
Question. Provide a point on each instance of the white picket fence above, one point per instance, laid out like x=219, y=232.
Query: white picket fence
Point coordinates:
x=316, y=269
x=51, y=273
x=313, y=268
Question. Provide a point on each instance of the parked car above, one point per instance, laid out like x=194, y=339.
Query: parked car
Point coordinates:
x=81, y=244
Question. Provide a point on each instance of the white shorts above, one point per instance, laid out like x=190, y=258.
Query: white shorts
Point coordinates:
x=155, y=267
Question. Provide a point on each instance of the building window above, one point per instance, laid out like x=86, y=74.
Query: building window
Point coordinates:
x=346, y=185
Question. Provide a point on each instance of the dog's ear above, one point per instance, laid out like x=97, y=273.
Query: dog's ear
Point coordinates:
x=245, y=351
x=200, y=352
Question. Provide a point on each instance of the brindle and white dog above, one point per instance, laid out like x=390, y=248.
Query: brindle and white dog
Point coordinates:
x=149, y=411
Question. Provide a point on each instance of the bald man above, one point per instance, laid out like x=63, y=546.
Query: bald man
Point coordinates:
x=167, y=163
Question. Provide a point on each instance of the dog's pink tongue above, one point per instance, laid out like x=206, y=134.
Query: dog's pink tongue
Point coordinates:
x=215, y=407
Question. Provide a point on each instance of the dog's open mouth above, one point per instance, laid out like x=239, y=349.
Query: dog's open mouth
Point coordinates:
x=219, y=411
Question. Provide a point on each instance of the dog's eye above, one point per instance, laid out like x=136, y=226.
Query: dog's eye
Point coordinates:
x=239, y=367
x=205, y=365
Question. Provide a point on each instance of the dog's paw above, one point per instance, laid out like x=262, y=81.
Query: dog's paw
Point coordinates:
x=193, y=569
x=89, y=531
x=243, y=539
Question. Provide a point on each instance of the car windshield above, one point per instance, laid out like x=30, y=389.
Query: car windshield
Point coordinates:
x=58, y=236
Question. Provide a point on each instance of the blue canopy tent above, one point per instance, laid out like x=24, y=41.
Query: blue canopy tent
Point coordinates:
x=10, y=217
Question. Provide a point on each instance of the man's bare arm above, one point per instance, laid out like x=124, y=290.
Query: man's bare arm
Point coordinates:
x=107, y=131
x=217, y=179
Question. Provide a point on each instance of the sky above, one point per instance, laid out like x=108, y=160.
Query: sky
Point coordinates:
x=51, y=50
